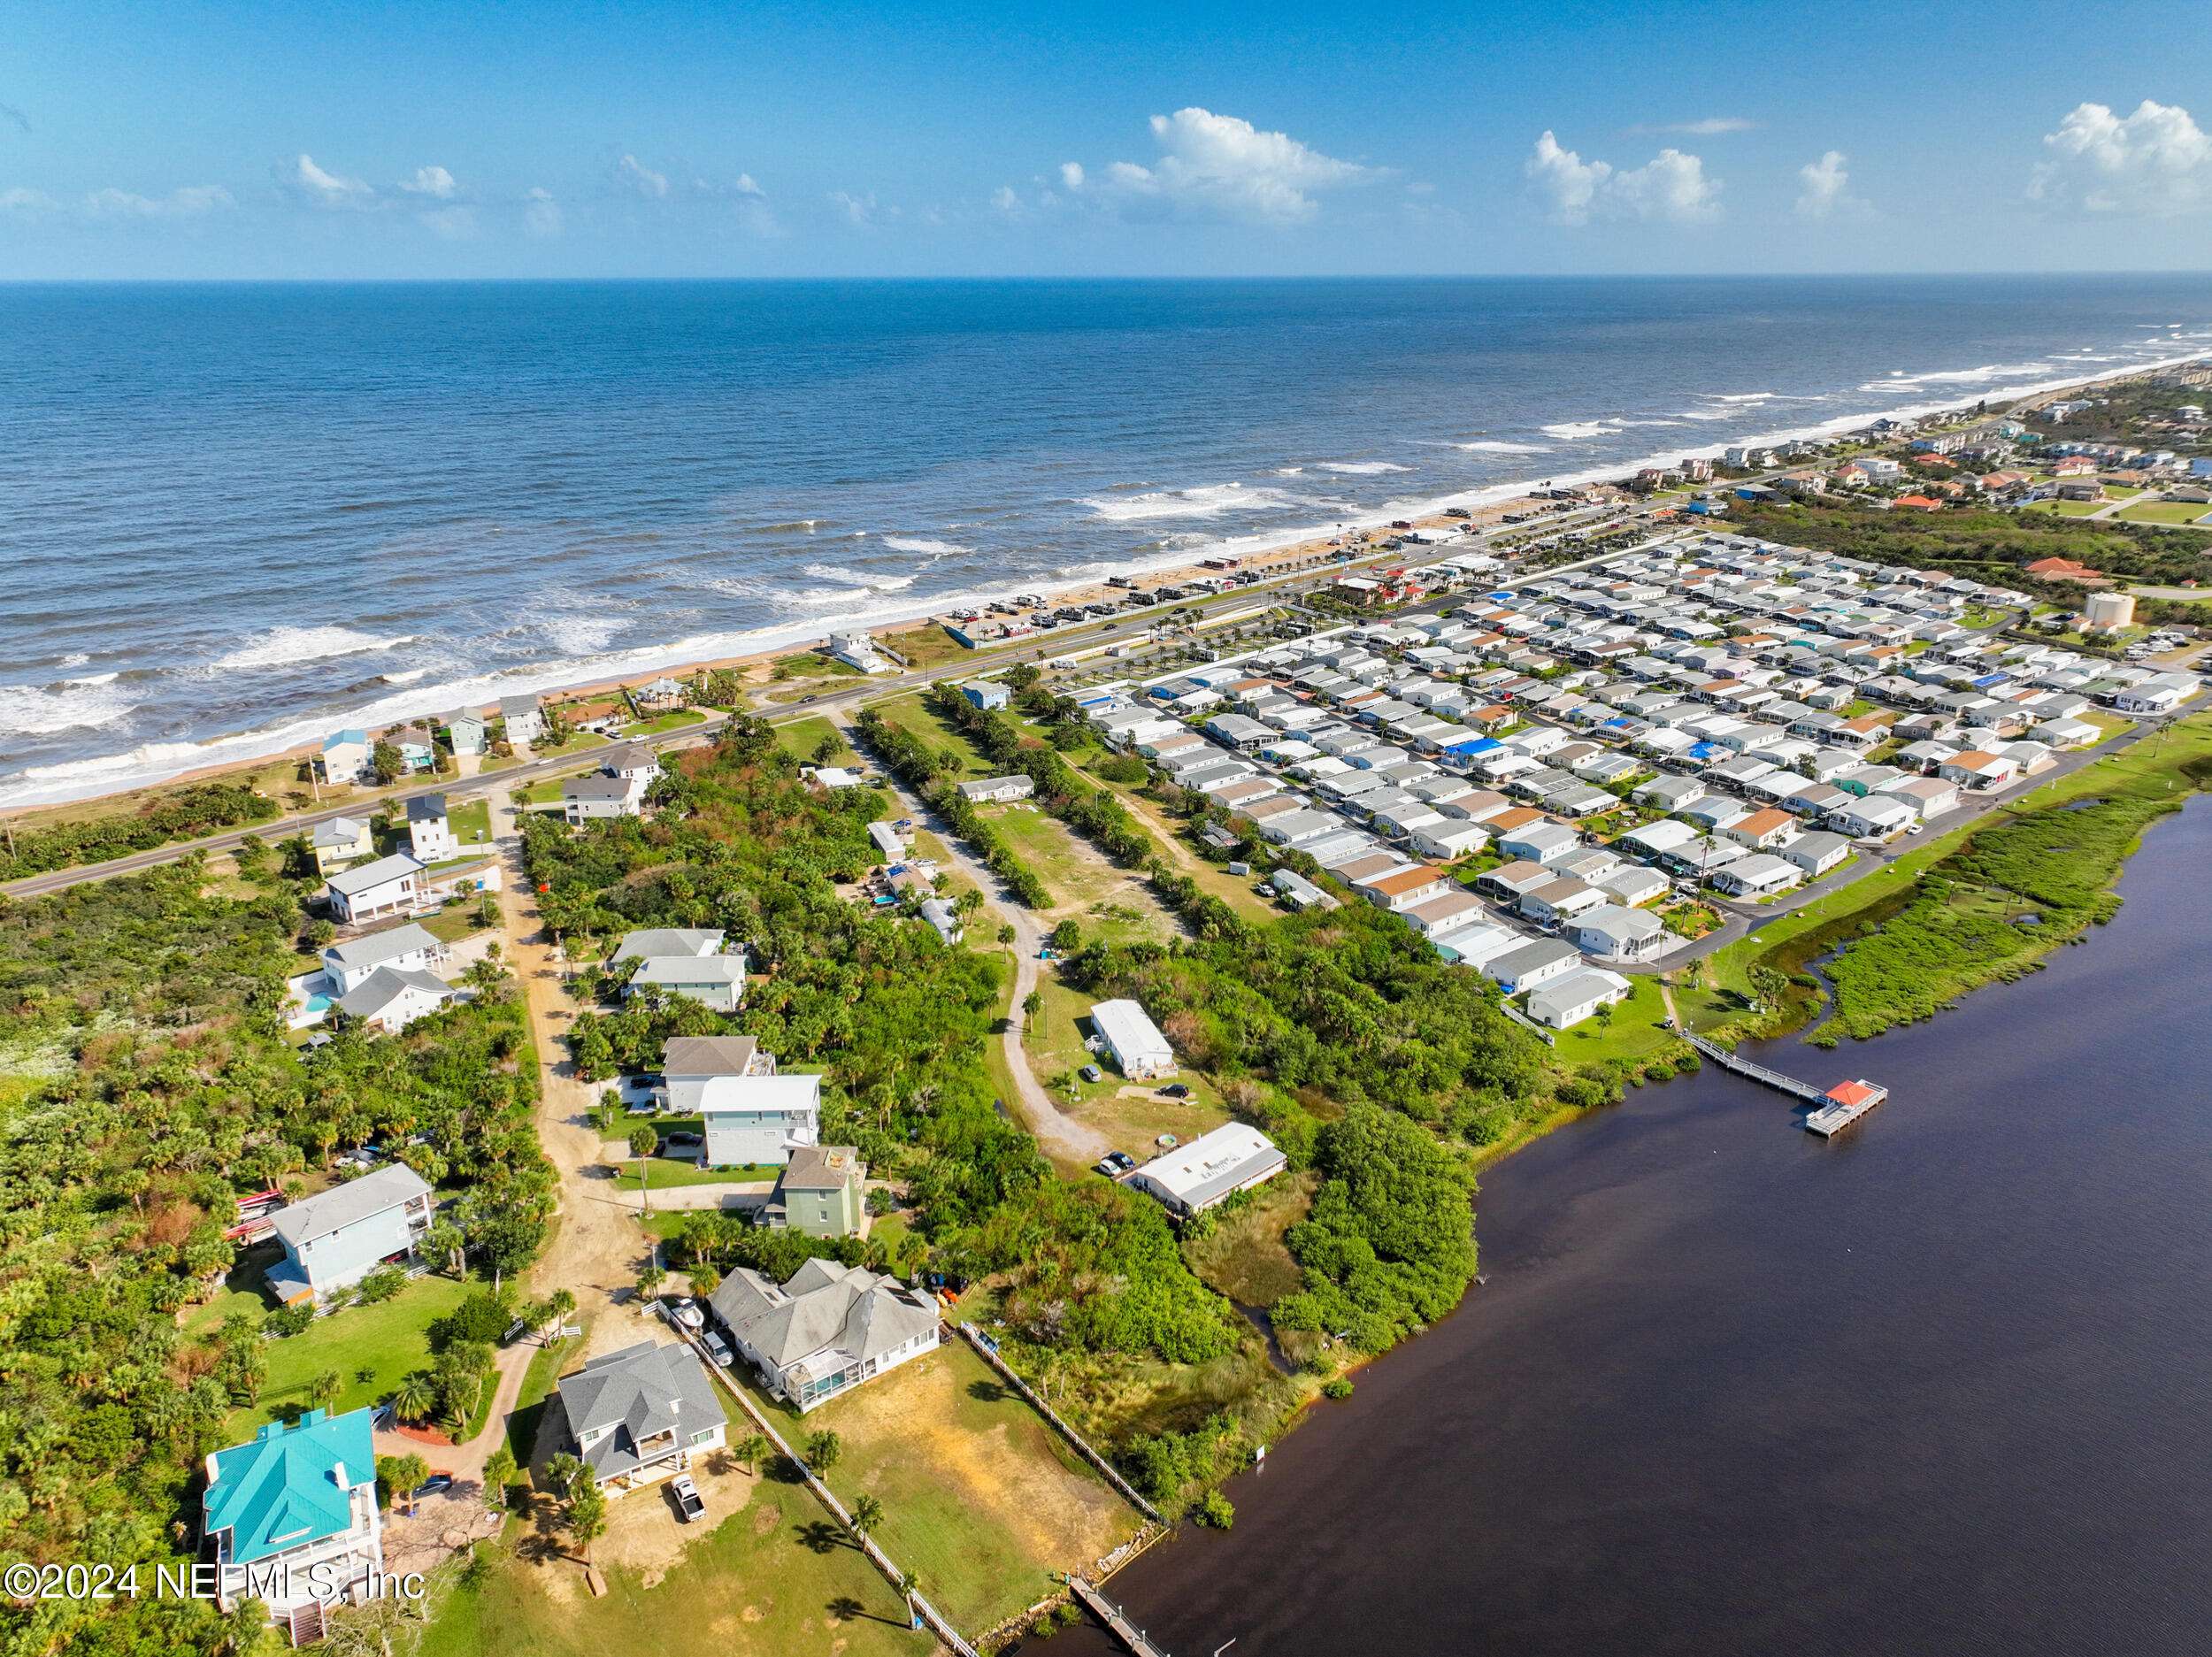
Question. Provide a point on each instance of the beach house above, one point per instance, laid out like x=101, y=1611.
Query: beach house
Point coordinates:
x=1128, y=1037
x=684, y=961
x=346, y=964
x=340, y=842
x=390, y=999
x=858, y=650
x=638, y=1416
x=429, y=830
x=820, y=1192
x=751, y=1115
x=294, y=1505
x=465, y=732
x=523, y=718
x=334, y=1239
x=1211, y=1167
x=344, y=758
x=824, y=1329
x=370, y=891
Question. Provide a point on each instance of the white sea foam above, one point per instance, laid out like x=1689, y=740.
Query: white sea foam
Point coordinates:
x=1579, y=431
x=574, y=633
x=1497, y=446
x=860, y=579
x=76, y=658
x=1206, y=501
x=91, y=678
x=924, y=544
x=286, y=646
x=406, y=677
x=36, y=710
x=1361, y=468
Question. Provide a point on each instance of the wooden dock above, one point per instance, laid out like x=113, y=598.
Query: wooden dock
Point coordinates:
x=1107, y=1612
x=1833, y=1110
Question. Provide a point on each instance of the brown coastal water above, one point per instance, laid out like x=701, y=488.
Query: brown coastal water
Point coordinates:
x=1942, y=1386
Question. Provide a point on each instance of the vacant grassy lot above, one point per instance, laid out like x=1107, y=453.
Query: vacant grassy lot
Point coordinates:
x=666, y=1171
x=981, y=1500
x=767, y=1580
x=2163, y=512
x=675, y=719
x=1131, y=1114
x=386, y=1341
x=801, y=737
x=1244, y=1256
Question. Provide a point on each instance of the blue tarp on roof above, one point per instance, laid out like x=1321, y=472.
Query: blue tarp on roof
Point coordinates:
x=1706, y=750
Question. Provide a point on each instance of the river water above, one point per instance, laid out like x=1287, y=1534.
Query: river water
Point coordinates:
x=1942, y=1386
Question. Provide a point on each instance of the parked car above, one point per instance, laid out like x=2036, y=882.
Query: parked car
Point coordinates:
x=435, y=1482
x=690, y=1504
x=717, y=1349
x=1092, y=1073
x=1176, y=1090
x=1107, y=1166
x=1122, y=1161
x=683, y=1141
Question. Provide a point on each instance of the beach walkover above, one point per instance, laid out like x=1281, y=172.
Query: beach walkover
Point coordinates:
x=1833, y=1110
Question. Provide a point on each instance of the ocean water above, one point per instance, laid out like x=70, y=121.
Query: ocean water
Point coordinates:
x=233, y=518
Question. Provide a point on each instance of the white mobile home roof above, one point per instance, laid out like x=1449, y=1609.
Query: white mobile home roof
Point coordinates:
x=1196, y=1176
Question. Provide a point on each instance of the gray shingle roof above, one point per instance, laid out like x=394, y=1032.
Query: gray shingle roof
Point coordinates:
x=343, y=1205
x=366, y=876
x=824, y=1304
x=378, y=948
x=369, y=997
x=640, y=1391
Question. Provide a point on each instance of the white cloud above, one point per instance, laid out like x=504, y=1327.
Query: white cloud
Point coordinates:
x=327, y=189
x=451, y=224
x=1219, y=166
x=541, y=213
x=1671, y=187
x=1711, y=127
x=1004, y=199
x=746, y=187
x=861, y=209
x=430, y=181
x=17, y=199
x=640, y=178
x=1824, y=186
x=2155, y=163
x=194, y=201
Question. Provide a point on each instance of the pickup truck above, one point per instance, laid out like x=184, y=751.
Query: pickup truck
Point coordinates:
x=690, y=1504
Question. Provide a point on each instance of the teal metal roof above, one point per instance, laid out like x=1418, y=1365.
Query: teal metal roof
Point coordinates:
x=278, y=1491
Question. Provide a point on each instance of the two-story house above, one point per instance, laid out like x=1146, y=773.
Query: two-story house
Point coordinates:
x=827, y=1329
x=367, y=891
x=685, y=961
x=290, y=1517
x=334, y=1239
x=639, y=1415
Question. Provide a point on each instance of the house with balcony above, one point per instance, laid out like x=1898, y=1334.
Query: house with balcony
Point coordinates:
x=826, y=1329
x=638, y=1416
x=371, y=891
x=685, y=961
x=751, y=1115
x=337, y=1237
x=290, y=1517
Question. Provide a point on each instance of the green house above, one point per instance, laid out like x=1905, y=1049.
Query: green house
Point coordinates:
x=822, y=1191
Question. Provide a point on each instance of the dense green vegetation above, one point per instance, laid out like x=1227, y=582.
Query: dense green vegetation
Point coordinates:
x=1388, y=1247
x=146, y=1081
x=1984, y=544
x=185, y=815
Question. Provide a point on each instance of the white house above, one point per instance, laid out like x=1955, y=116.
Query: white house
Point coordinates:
x=1216, y=1165
x=857, y=649
x=430, y=831
x=1532, y=964
x=344, y=758
x=1132, y=1041
x=1878, y=816
x=1815, y=853
x=367, y=891
x=407, y=948
x=1568, y=1001
x=390, y=998
x=525, y=719
x=1757, y=876
x=638, y=1416
x=824, y=1329
x=1618, y=933
x=990, y=790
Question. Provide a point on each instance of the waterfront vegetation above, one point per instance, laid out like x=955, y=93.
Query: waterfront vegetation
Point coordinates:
x=1980, y=905
x=147, y=1081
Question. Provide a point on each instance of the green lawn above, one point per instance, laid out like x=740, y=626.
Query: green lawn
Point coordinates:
x=801, y=737
x=908, y=712
x=2163, y=512
x=453, y=922
x=767, y=1580
x=675, y=719
x=667, y=1172
x=388, y=1340
x=1631, y=1034
x=472, y=823
x=1053, y=1039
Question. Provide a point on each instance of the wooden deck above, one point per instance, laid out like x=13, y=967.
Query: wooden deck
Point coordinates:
x=1107, y=1612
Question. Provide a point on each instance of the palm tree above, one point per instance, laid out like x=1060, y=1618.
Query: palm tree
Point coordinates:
x=822, y=1450
x=558, y=1305
x=325, y=1390
x=867, y=1513
x=414, y=1398
x=751, y=1451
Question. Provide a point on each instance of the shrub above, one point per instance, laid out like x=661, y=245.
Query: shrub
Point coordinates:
x=1218, y=1510
x=1338, y=1386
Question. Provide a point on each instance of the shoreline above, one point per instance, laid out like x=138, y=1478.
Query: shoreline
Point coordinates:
x=110, y=776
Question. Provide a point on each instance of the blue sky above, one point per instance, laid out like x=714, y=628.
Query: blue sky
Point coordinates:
x=189, y=140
